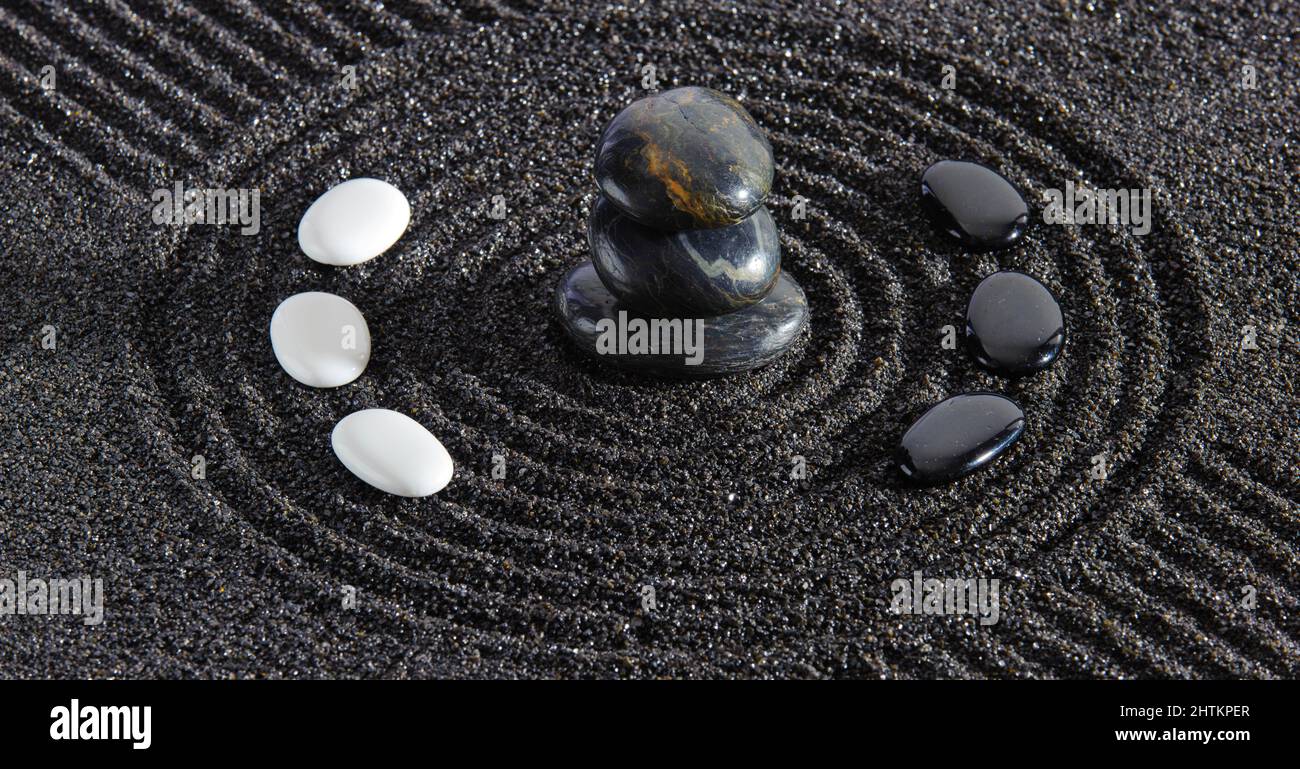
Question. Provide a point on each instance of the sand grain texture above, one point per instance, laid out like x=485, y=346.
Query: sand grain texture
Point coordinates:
x=613, y=482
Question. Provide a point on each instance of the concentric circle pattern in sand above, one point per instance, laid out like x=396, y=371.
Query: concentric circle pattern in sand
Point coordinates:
x=616, y=483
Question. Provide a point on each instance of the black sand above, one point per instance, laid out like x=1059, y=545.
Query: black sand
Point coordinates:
x=615, y=483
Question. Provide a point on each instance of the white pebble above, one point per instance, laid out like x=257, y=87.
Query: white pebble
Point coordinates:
x=354, y=222
x=320, y=339
x=392, y=452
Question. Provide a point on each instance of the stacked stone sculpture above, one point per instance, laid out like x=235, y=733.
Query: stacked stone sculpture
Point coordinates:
x=685, y=277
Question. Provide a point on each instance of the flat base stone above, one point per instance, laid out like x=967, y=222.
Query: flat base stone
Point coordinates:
x=609, y=330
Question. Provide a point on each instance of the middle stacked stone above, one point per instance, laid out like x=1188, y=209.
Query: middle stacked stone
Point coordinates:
x=689, y=273
x=680, y=231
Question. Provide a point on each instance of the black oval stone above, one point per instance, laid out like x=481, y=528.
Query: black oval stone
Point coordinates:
x=685, y=159
x=687, y=273
x=727, y=344
x=958, y=436
x=1014, y=326
x=974, y=204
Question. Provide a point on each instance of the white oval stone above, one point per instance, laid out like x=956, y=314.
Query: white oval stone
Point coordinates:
x=320, y=339
x=354, y=222
x=392, y=452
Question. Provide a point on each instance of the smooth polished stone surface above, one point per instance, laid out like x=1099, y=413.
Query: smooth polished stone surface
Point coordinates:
x=974, y=204
x=354, y=222
x=958, y=436
x=320, y=339
x=392, y=452
x=685, y=159
x=1014, y=325
x=604, y=327
x=688, y=273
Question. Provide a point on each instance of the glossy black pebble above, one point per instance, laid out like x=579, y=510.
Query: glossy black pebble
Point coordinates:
x=974, y=204
x=685, y=159
x=958, y=436
x=738, y=341
x=1014, y=325
x=691, y=273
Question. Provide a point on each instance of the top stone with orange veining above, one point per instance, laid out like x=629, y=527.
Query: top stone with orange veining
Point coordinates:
x=688, y=158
